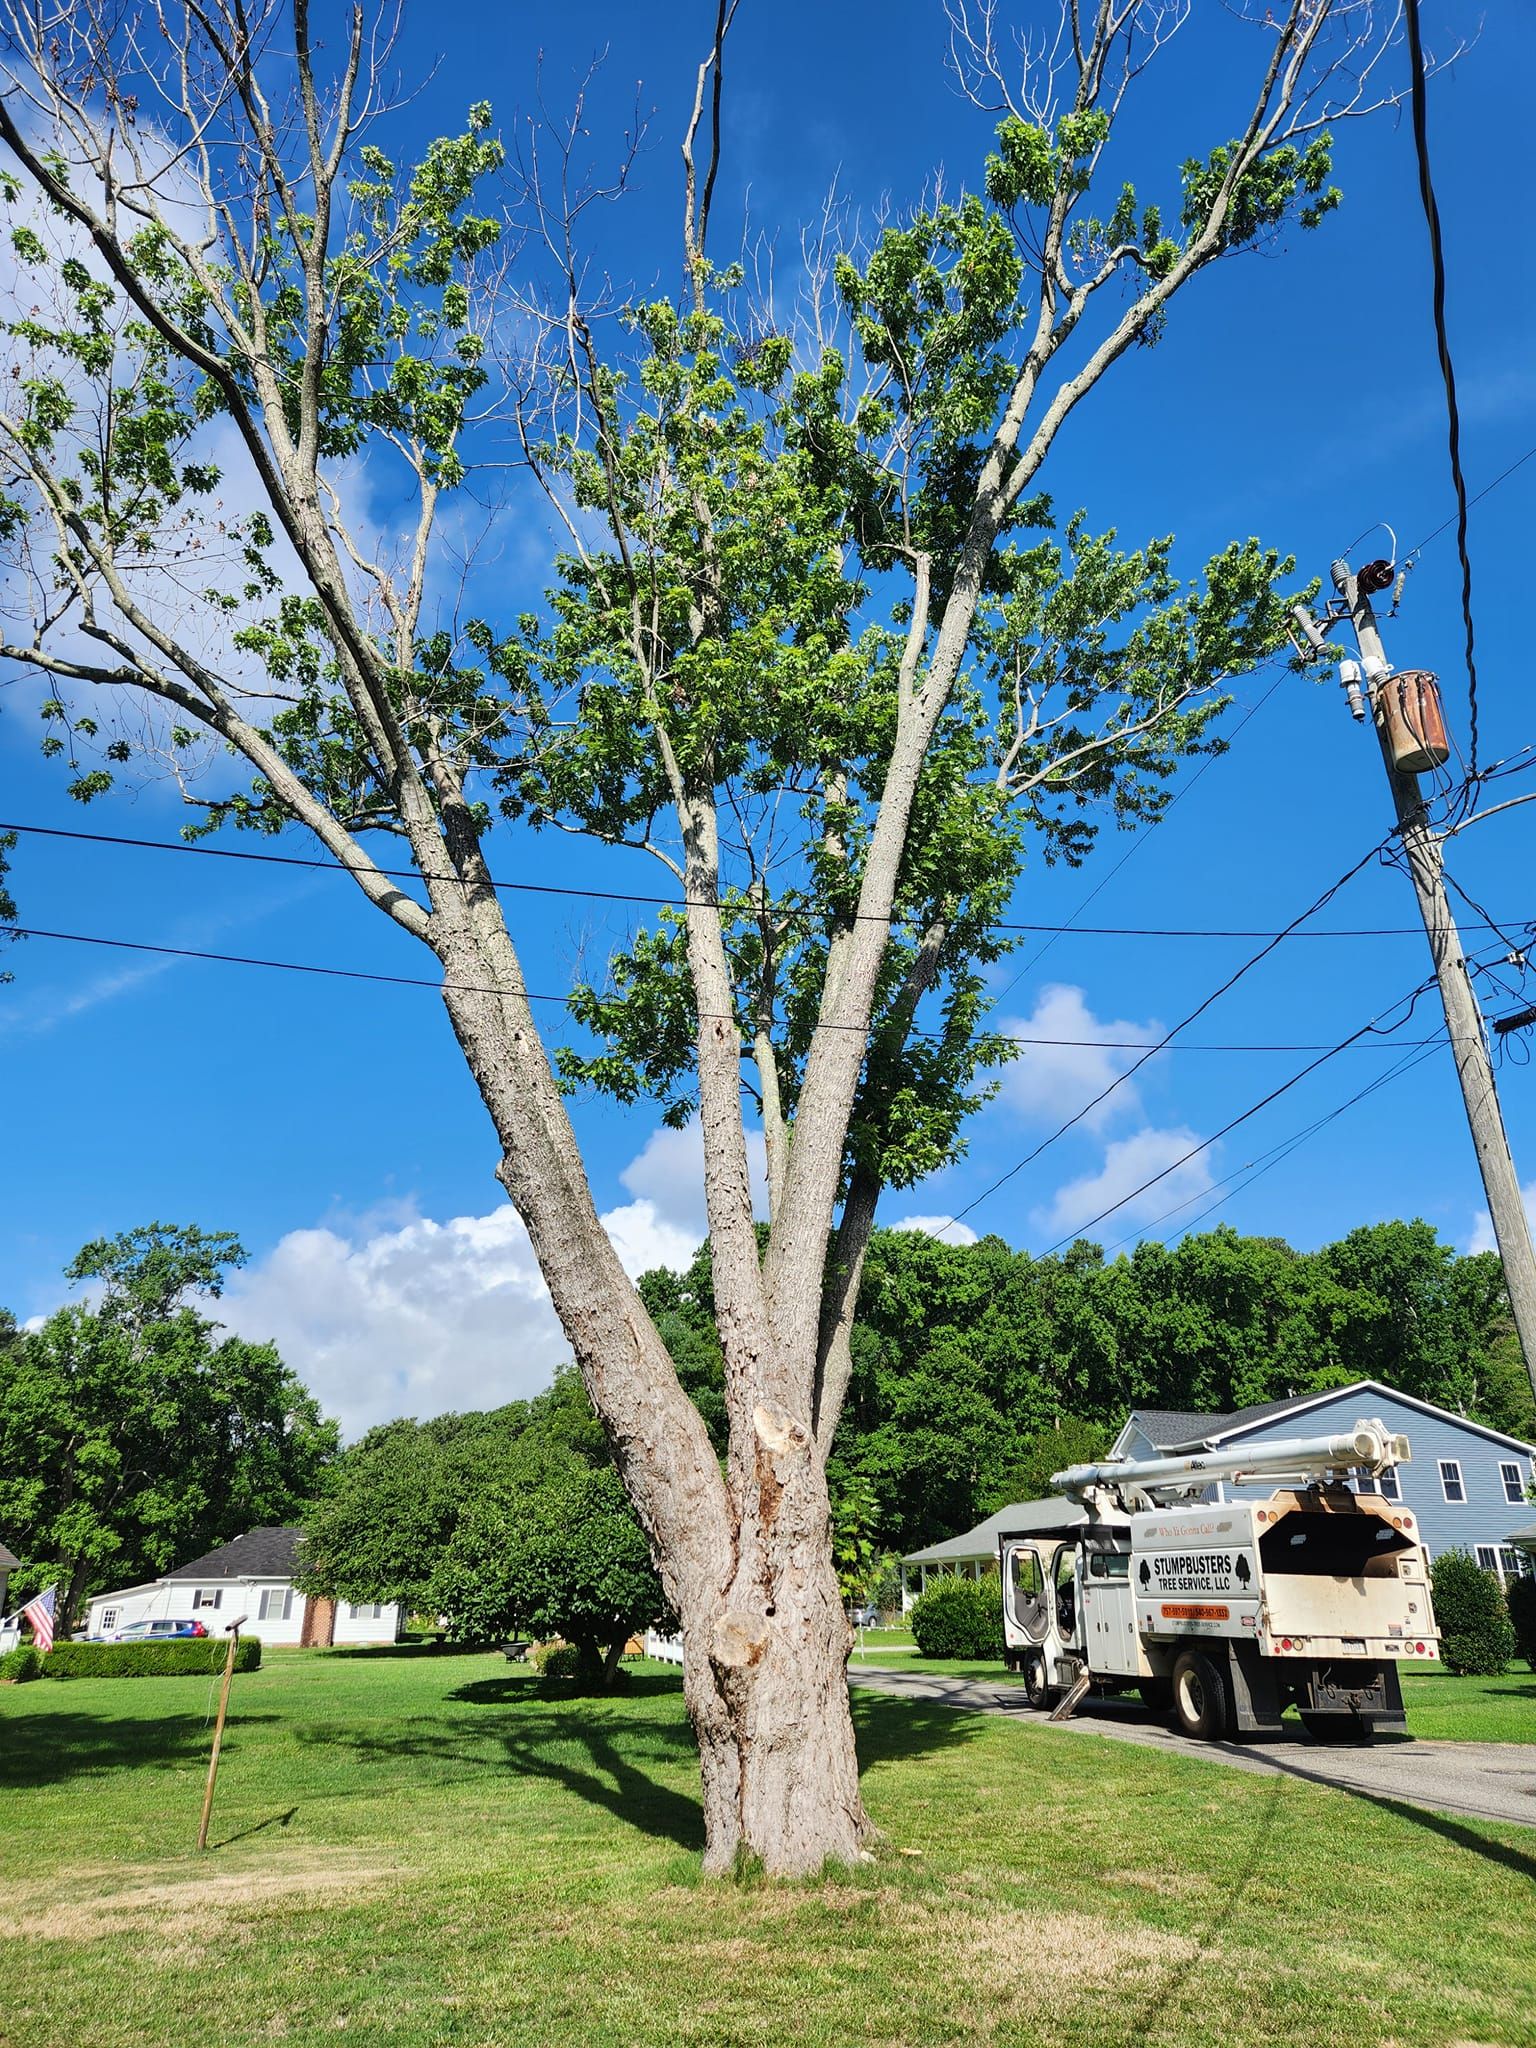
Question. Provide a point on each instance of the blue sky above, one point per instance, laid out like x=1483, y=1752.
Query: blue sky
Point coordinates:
x=1296, y=397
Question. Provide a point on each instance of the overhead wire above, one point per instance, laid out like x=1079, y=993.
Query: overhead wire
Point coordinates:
x=1420, y=114
x=327, y=864
x=1232, y=1124
x=438, y=984
x=1168, y=1037
x=1414, y=1054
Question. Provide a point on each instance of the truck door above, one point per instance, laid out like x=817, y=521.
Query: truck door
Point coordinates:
x=1028, y=1607
x=1065, y=1593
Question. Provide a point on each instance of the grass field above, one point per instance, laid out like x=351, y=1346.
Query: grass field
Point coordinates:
x=413, y=1850
x=1440, y=1706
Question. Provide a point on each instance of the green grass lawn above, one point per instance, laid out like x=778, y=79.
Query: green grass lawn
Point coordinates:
x=413, y=1850
x=1440, y=1706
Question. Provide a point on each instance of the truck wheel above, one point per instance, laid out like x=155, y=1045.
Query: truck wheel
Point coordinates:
x=1202, y=1697
x=1036, y=1690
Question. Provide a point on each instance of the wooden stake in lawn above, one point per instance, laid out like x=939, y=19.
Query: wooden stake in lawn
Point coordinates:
x=218, y=1731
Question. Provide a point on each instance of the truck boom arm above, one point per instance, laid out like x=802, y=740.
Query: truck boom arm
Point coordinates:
x=1369, y=1446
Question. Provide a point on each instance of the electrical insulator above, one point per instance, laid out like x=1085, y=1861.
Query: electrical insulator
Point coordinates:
x=1349, y=678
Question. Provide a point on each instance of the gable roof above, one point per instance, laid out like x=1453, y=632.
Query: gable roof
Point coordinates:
x=1174, y=1429
x=259, y=1554
x=6, y=1559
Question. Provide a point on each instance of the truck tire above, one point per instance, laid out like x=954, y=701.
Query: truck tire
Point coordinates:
x=1036, y=1690
x=1202, y=1697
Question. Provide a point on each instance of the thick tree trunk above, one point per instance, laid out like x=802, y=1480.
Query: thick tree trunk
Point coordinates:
x=745, y=1557
x=768, y=1697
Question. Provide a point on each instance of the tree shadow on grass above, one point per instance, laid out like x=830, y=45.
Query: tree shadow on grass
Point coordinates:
x=50, y=1748
x=617, y=1750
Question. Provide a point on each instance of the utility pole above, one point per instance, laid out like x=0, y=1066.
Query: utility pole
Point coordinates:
x=1463, y=1017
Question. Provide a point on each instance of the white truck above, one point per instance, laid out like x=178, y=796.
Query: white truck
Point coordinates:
x=1227, y=1610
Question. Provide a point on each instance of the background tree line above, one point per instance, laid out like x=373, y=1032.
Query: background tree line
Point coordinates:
x=134, y=1433
x=979, y=1370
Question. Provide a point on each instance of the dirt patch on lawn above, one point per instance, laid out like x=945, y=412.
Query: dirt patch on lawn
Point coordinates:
x=178, y=1904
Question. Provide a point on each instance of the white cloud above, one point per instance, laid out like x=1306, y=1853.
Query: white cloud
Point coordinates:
x=1128, y=1163
x=1052, y=1081
x=396, y=1314
x=941, y=1227
x=669, y=1172
x=1483, y=1239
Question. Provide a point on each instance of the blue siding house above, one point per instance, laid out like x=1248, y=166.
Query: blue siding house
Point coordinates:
x=1466, y=1484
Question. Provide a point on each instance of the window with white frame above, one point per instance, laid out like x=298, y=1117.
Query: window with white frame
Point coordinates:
x=367, y=1610
x=1513, y=1481
x=1516, y=1564
x=207, y=1596
x=1387, y=1486
x=108, y=1617
x=1488, y=1557
x=276, y=1603
x=1450, y=1481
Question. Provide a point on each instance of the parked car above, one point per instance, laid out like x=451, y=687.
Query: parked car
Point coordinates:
x=153, y=1631
x=867, y=1616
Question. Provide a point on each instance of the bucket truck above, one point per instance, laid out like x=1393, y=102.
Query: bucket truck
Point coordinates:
x=1229, y=1610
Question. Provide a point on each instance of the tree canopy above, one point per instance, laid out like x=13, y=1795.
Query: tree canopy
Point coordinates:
x=134, y=1434
x=979, y=1370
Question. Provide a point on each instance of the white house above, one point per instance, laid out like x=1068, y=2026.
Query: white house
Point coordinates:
x=253, y=1577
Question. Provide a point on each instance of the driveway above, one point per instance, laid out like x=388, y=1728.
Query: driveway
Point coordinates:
x=1486, y=1780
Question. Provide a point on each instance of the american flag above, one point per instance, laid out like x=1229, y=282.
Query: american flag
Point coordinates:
x=40, y=1613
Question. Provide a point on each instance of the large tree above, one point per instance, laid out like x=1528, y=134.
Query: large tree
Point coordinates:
x=134, y=1435
x=816, y=642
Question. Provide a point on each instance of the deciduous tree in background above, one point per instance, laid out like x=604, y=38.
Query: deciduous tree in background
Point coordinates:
x=133, y=1435
x=816, y=642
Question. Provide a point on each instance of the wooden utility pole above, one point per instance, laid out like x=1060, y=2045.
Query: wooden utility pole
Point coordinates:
x=1463, y=1017
x=218, y=1732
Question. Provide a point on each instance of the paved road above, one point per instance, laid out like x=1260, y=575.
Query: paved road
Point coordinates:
x=1487, y=1780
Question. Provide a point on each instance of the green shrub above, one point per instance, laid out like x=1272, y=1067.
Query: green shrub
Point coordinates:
x=555, y=1659
x=20, y=1664
x=1521, y=1596
x=1476, y=1636
x=180, y=1657
x=959, y=1618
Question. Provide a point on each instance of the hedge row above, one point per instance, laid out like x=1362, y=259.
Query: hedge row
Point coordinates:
x=20, y=1664
x=184, y=1657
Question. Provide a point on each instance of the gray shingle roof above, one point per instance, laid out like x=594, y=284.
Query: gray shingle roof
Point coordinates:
x=982, y=1540
x=1175, y=1429
x=259, y=1554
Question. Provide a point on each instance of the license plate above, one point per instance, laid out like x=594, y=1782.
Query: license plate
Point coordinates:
x=1354, y=1646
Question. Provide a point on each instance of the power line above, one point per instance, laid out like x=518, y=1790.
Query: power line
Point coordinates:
x=1243, y=1117
x=1476, y=499
x=1419, y=101
x=537, y=996
x=1248, y=965
x=1136, y=844
x=1415, y=1053
x=330, y=866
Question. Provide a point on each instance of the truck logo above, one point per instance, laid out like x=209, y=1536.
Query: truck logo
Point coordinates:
x=1198, y=1571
